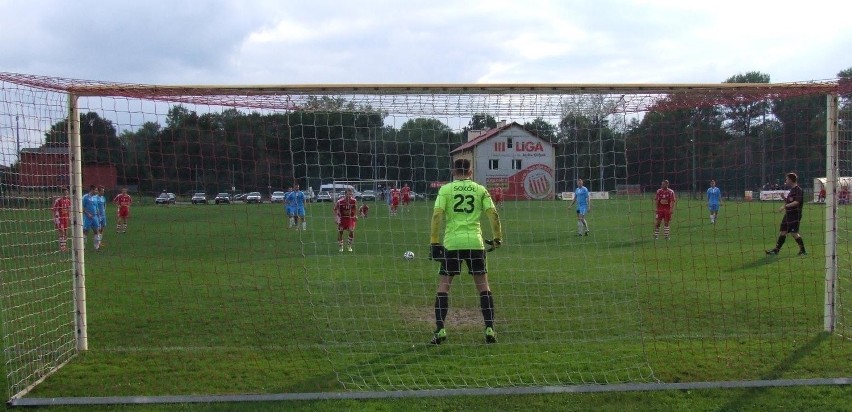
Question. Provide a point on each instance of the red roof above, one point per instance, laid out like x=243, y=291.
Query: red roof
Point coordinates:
x=489, y=134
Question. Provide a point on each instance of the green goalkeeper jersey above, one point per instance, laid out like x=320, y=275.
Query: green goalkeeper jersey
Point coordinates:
x=462, y=203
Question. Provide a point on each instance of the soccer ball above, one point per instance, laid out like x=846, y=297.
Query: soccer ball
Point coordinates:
x=408, y=255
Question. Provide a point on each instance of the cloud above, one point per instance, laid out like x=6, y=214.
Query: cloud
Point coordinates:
x=384, y=41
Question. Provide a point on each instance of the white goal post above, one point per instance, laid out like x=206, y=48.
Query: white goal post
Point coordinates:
x=229, y=289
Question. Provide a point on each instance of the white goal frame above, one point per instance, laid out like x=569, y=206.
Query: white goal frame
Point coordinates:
x=217, y=95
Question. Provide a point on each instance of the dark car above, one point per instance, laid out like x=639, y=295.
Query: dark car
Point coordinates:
x=165, y=199
x=367, y=195
x=222, y=198
x=239, y=197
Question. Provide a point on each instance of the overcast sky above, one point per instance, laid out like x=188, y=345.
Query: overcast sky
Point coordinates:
x=316, y=41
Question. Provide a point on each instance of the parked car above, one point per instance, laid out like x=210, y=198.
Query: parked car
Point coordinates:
x=222, y=198
x=277, y=197
x=368, y=195
x=254, y=197
x=165, y=199
x=239, y=197
x=417, y=196
x=324, y=196
x=199, y=198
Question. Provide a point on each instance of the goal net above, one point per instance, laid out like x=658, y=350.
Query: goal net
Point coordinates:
x=212, y=292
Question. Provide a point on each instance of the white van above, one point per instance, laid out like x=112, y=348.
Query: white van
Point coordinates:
x=334, y=191
x=336, y=187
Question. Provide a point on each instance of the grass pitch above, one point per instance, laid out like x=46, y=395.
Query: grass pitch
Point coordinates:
x=225, y=299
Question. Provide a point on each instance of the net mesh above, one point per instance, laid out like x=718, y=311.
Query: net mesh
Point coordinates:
x=231, y=291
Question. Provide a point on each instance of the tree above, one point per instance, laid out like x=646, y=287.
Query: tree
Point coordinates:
x=481, y=121
x=98, y=140
x=742, y=117
x=137, y=168
x=801, y=142
x=542, y=128
x=429, y=142
x=678, y=141
x=844, y=120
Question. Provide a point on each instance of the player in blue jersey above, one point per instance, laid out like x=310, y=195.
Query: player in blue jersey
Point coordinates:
x=102, y=220
x=288, y=208
x=714, y=200
x=299, y=207
x=584, y=205
x=91, y=221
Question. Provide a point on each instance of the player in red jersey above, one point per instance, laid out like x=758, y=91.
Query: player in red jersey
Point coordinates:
x=344, y=212
x=61, y=217
x=394, y=200
x=665, y=202
x=497, y=196
x=406, y=195
x=364, y=210
x=123, y=201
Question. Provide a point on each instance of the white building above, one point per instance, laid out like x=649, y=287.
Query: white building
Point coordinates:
x=512, y=158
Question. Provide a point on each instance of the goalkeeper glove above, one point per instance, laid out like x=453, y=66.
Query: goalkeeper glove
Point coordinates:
x=493, y=244
x=436, y=251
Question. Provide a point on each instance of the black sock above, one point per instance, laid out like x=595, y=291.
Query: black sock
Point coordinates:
x=801, y=244
x=442, y=305
x=486, y=303
x=780, y=243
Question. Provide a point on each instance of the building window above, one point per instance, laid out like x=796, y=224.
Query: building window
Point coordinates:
x=493, y=164
x=516, y=164
x=509, y=142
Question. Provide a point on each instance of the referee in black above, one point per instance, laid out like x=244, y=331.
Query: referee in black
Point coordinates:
x=792, y=210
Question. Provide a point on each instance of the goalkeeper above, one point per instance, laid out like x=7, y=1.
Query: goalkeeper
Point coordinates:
x=458, y=209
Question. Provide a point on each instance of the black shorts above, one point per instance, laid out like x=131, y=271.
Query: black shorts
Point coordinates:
x=475, y=260
x=790, y=224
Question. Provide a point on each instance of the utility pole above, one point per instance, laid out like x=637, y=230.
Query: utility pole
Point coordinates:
x=691, y=126
x=600, y=152
x=18, y=138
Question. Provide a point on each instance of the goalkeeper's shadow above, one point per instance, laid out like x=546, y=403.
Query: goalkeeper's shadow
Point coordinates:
x=371, y=370
x=756, y=263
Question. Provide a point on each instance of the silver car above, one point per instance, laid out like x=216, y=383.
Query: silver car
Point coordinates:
x=253, y=197
x=165, y=199
x=277, y=197
x=324, y=196
x=367, y=195
x=199, y=198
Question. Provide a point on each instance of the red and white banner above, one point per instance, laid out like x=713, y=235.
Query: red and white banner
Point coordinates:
x=773, y=194
x=534, y=182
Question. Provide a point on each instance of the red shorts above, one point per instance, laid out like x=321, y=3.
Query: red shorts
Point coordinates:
x=346, y=224
x=395, y=202
x=123, y=212
x=61, y=223
x=665, y=214
x=406, y=200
